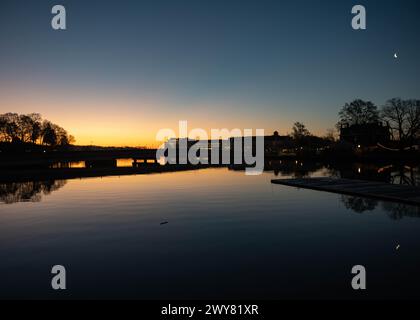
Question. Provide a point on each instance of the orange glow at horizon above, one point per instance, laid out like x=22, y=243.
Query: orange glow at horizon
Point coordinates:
x=118, y=120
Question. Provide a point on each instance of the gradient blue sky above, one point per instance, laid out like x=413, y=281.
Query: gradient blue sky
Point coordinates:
x=124, y=69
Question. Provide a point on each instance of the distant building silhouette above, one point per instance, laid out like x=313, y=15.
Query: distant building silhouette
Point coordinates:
x=275, y=145
x=366, y=135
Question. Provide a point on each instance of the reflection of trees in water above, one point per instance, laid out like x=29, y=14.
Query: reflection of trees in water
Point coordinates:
x=396, y=211
x=406, y=175
x=359, y=205
x=401, y=174
x=395, y=174
x=28, y=191
x=361, y=171
x=296, y=169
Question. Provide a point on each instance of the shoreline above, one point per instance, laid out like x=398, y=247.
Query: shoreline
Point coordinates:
x=28, y=175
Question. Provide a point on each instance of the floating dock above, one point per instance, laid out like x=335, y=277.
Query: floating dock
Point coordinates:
x=369, y=189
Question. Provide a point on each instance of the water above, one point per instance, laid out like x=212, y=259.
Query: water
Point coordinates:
x=228, y=236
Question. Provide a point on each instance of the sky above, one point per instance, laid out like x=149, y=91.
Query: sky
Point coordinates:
x=123, y=70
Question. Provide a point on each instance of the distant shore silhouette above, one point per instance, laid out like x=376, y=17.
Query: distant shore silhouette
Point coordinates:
x=363, y=133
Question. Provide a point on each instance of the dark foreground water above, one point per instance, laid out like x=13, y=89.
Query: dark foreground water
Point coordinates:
x=228, y=236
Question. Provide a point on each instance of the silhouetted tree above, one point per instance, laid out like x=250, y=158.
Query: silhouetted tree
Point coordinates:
x=24, y=128
x=403, y=117
x=35, y=127
x=30, y=128
x=358, y=112
x=36, y=132
x=300, y=131
x=72, y=139
x=10, y=130
x=3, y=132
x=49, y=136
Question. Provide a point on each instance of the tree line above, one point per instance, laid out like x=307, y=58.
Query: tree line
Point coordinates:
x=31, y=128
x=401, y=116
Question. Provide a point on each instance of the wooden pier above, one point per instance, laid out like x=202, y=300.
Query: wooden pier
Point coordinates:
x=369, y=189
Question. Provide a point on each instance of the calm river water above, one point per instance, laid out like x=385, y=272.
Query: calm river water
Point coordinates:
x=212, y=233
